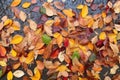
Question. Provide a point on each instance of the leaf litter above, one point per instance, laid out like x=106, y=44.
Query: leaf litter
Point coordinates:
x=64, y=42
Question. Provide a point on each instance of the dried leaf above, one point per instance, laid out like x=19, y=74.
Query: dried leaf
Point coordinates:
x=33, y=1
x=15, y=3
x=29, y=72
x=84, y=11
x=40, y=65
x=16, y=25
x=32, y=24
x=48, y=28
x=49, y=12
x=61, y=56
x=80, y=6
x=114, y=47
x=37, y=75
x=9, y=75
x=18, y=73
x=62, y=68
x=107, y=78
x=13, y=53
x=3, y=63
x=116, y=7
x=16, y=39
x=2, y=51
x=36, y=9
x=117, y=27
x=58, y=5
x=113, y=70
x=68, y=12
x=26, y=5
x=29, y=57
x=16, y=65
x=22, y=16
x=8, y=22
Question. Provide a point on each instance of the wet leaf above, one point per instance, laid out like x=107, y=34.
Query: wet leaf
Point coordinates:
x=16, y=39
x=9, y=75
x=32, y=24
x=84, y=11
x=46, y=39
x=68, y=12
x=18, y=73
x=22, y=16
x=26, y=5
x=15, y=3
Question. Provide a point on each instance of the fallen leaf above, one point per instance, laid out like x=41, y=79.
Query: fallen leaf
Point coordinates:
x=54, y=54
x=16, y=39
x=114, y=47
x=2, y=51
x=15, y=3
x=84, y=11
x=16, y=25
x=37, y=74
x=9, y=75
x=29, y=57
x=116, y=7
x=46, y=39
x=102, y=36
x=80, y=6
x=49, y=12
x=32, y=24
x=29, y=72
x=22, y=16
x=107, y=78
x=48, y=27
x=58, y=5
x=68, y=12
x=18, y=73
x=3, y=63
x=36, y=9
x=8, y=22
x=75, y=55
x=62, y=68
x=61, y=56
x=49, y=1
x=26, y=5
x=113, y=70
x=117, y=27
x=13, y=53
x=16, y=65
x=33, y=1
x=40, y=65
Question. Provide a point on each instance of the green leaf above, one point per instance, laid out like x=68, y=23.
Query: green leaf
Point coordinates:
x=1, y=73
x=42, y=10
x=76, y=55
x=92, y=57
x=46, y=39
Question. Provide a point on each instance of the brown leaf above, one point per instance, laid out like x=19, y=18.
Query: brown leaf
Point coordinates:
x=40, y=65
x=32, y=24
x=29, y=72
x=22, y=16
x=114, y=47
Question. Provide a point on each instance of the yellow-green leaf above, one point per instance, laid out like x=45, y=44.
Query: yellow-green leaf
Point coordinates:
x=9, y=75
x=68, y=12
x=16, y=39
x=26, y=4
x=102, y=36
x=15, y=3
x=84, y=12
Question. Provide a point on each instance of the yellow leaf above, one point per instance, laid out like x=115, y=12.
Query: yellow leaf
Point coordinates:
x=49, y=23
x=112, y=37
x=15, y=3
x=103, y=14
x=84, y=11
x=102, y=36
x=8, y=22
x=3, y=63
x=62, y=68
x=13, y=52
x=80, y=6
x=82, y=78
x=71, y=42
x=16, y=39
x=83, y=48
x=16, y=25
x=26, y=4
x=68, y=12
x=115, y=31
x=9, y=75
x=37, y=74
x=90, y=23
x=56, y=34
x=30, y=57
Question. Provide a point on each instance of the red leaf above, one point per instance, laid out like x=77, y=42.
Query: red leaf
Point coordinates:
x=66, y=42
x=54, y=54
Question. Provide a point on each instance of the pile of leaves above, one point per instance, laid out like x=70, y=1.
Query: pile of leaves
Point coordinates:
x=65, y=42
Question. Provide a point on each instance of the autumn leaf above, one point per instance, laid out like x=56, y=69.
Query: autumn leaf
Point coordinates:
x=15, y=3
x=46, y=39
x=68, y=12
x=75, y=55
x=3, y=63
x=102, y=36
x=13, y=52
x=62, y=68
x=26, y=5
x=18, y=73
x=9, y=75
x=29, y=57
x=114, y=47
x=22, y=16
x=80, y=6
x=37, y=74
x=8, y=22
x=16, y=39
x=84, y=11
x=16, y=25
x=2, y=51
x=32, y=24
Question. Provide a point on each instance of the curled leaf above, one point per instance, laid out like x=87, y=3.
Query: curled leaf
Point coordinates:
x=18, y=73
x=16, y=39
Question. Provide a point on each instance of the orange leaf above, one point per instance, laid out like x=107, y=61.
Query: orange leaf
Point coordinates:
x=68, y=12
x=15, y=3
x=2, y=51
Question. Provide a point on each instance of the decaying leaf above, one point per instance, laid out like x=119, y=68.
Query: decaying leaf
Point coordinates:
x=15, y=3
x=18, y=73
x=26, y=5
x=22, y=16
